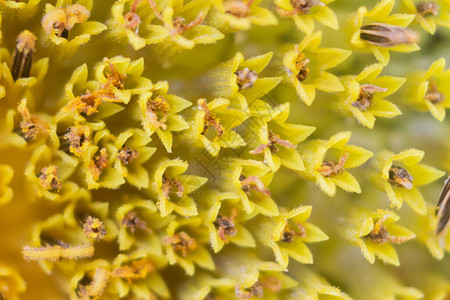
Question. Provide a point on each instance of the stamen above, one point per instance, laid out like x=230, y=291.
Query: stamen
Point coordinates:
x=32, y=126
x=330, y=168
x=132, y=222
x=225, y=225
x=138, y=269
x=210, y=119
x=182, y=242
x=273, y=141
x=255, y=290
x=49, y=180
x=302, y=67
x=246, y=78
x=400, y=177
x=93, y=228
x=171, y=184
x=433, y=95
x=127, y=155
x=427, y=8
x=179, y=27
x=253, y=183
x=99, y=164
x=78, y=139
x=365, y=98
x=158, y=112
x=238, y=8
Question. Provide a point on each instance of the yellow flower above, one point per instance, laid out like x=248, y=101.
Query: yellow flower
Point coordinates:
x=159, y=112
x=275, y=138
x=137, y=274
x=400, y=39
x=305, y=67
x=234, y=15
x=430, y=13
x=287, y=234
x=374, y=232
x=184, y=25
x=172, y=187
x=249, y=179
x=224, y=222
x=60, y=19
x=400, y=175
x=213, y=123
x=364, y=93
x=135, y=27
x=430, y=90
x=184, y=245
x=326, y=163
x=303, y=13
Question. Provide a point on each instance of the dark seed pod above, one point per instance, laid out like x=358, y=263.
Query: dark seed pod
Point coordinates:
x=443, y=208
x=23, y=55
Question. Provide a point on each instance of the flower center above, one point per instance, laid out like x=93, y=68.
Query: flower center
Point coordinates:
x=238, y=8
x=179, y=27
x=289, y=232
x=365, y=98
x=182, y=242
x=400, y=177
x=132, y=20
x=61, y=20
x=225, y=225
x=78, y=138
x=299, y=7
x=127, y=155
x=93, y=228
x=427, y=8
x=380, y=235
x=433, y=95
x=138, y=269
x=253, y=183
x=49, y=180
x=330, y=168
x=158, y=112
x=255, y=290
x=132, y=222
x=210, y=119
x=246, y=78
x=274, y=140
x=99, y=164
x=170, y=185
x=302, y=66
x=32, y=126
